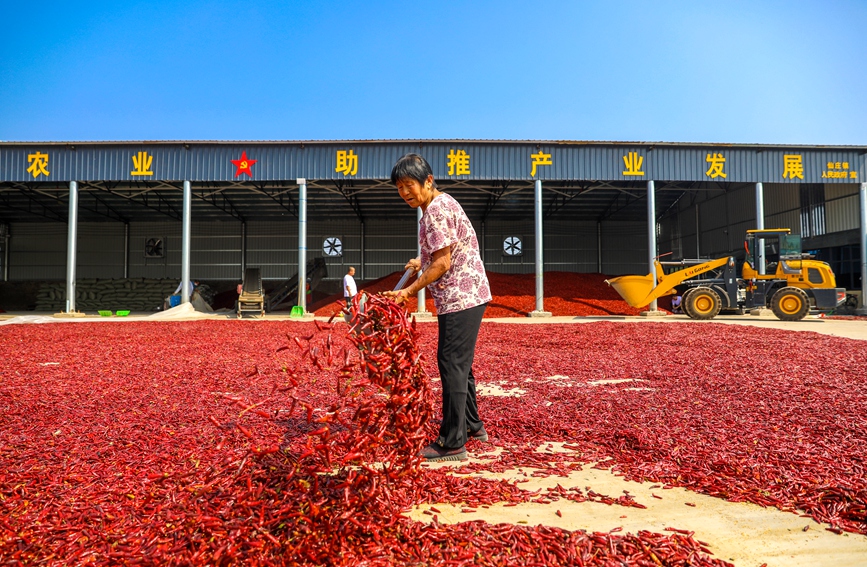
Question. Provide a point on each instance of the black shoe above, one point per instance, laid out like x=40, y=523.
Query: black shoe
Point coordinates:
x=480, y=435
x=434, y=452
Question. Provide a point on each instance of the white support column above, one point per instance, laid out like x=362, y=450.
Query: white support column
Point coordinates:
x=302, y=244
x=540, y=245
x=71, y=245
x=421, y=310
x=760, y=225
x=361, y=261
x=862, y=310
x=185, y=242
x=651, y=236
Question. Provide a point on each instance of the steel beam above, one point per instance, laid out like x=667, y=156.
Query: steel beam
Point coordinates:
x=185, y=244
x=863, y=308
x=71, y=245
x=540, y=245
x=760, y=225
x=302, y=244
x=651, y=235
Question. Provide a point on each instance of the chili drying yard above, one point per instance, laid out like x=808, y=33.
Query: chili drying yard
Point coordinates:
x=225, y=442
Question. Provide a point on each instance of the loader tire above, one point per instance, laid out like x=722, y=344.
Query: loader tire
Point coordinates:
x=683, y=302
x=702, y=303
x=790, y=304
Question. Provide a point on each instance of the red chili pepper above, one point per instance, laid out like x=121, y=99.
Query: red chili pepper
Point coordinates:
x=244, y=431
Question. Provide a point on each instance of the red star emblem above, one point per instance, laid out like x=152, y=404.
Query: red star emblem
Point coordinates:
x=243, y=165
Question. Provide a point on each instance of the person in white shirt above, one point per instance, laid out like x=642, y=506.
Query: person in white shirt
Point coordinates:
x=193, y=284
x=167, y=304
x=349, y=287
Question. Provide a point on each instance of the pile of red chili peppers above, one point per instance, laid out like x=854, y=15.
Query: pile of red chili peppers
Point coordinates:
x=566, y=293
x=290, y=443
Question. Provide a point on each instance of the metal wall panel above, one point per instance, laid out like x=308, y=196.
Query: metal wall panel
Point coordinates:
x=495, y=258
x=842, y=206
x=286, y=161
x=836, y=191
x=788, y=219
x=388, y=246
x=570, y=246
x=100, y=250
x=166, y=267
x=215, y=250
x=349, y=234
x=741, y=204
x=715, y=243
x=272, y=246
x=842, y=214
x=713, y=213
x=737, y=234
x=624, y=248
x=668, y=239
x=685, y=232
x=37, y=251
x=780, y=197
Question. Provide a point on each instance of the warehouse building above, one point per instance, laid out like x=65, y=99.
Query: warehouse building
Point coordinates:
x=177, y=210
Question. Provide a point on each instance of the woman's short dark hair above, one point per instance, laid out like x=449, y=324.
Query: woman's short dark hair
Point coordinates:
x=411, y=166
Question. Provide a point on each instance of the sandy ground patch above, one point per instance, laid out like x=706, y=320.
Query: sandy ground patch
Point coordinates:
x=742, y=533
x=183, y=312
x=497, y=390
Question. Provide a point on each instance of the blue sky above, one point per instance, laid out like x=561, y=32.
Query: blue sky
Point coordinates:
x=789, y=72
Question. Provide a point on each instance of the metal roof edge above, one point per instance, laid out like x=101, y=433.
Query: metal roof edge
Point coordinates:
x=422, y=142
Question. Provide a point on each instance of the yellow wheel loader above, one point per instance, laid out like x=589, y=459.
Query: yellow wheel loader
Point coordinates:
x=791, y=283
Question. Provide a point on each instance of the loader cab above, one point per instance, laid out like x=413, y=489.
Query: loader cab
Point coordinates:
x=778, y=248
x=784, y=261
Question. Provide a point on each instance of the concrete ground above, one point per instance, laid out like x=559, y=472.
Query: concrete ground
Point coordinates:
x=742, y=533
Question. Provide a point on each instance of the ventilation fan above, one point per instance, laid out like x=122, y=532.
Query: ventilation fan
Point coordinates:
x=154, y=248
x=332, y=246
x=512, y=246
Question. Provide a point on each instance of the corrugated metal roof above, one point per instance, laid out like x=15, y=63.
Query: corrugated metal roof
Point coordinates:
x=582, y=180
x=470, y=161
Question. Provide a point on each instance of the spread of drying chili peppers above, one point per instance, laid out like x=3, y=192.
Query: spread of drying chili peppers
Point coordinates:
x=284, y=443
x=566, y=293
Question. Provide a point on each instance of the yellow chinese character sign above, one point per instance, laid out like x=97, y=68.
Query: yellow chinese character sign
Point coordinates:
x=793, y=166
x=347, y=162
x=38, y=164
x=142, y=164
x=838, y=170
x=717, y=162
x=632, y=162
x=459, y=162
x=539, y=159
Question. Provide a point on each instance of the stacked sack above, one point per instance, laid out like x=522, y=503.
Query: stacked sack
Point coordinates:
x=111, y=295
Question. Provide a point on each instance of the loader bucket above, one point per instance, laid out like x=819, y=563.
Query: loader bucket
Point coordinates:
x=635, y=290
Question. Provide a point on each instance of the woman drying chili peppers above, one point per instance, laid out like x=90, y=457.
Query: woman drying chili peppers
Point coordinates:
x=451, y=268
